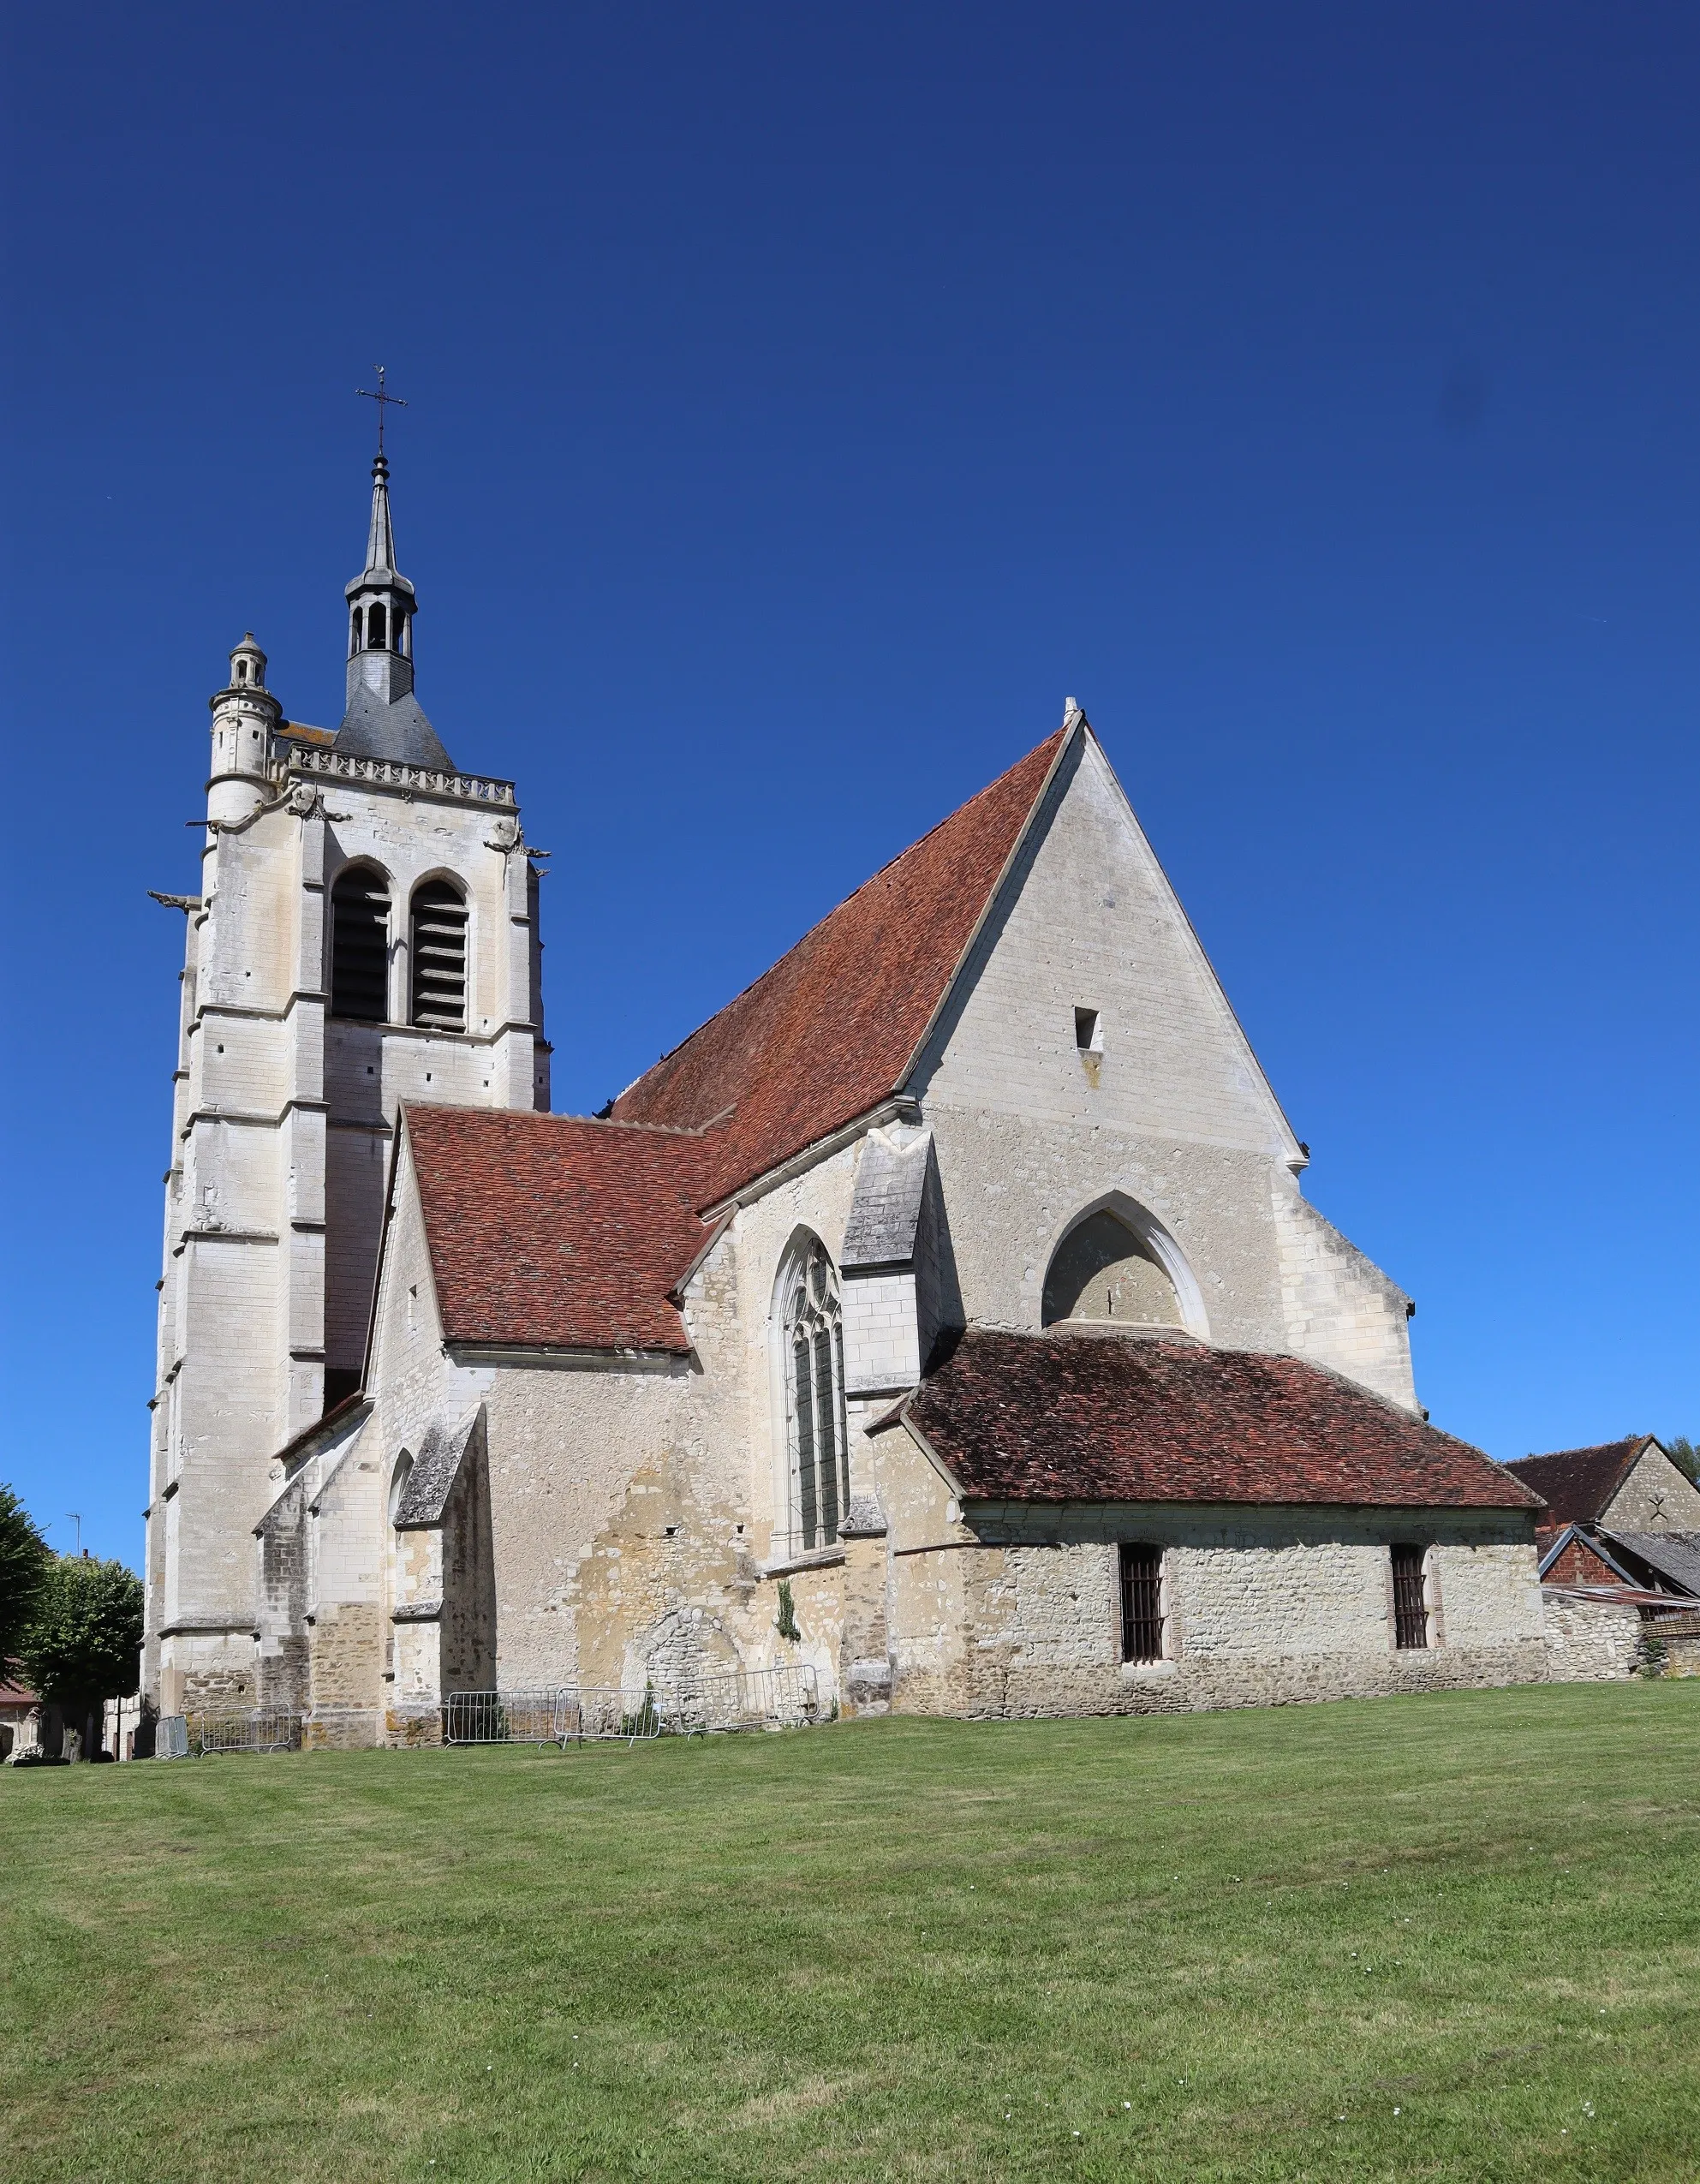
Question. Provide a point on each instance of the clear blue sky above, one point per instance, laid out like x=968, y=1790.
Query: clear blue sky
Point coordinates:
x=803, y=401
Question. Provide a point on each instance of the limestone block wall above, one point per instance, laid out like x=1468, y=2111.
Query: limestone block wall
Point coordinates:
x=1173, y=1113
x=882, y=1333
x=1016, y=1610
x=1088, y=919
x=282, y=1127
x=1341, y=1310
x=1590, y=1641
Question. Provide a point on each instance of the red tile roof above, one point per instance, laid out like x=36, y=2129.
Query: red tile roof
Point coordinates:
x=1074, y=1418
x=549, y=1230
x=832, y=1028
x=1577, y=1483
x=559, y=1231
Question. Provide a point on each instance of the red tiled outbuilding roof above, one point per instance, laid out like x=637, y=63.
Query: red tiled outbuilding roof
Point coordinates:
x=1078, y=1417
x=833, y=1028
x=553, y=1231
x=1577, y=1484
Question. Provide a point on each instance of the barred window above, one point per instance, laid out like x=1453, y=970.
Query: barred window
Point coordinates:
x=1410, y=1613
x=360, y=945
x=1142, y=1586
x=814, y=1398
x=439, y=921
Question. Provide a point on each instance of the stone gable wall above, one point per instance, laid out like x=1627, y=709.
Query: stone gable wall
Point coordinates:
x=1655, y=1497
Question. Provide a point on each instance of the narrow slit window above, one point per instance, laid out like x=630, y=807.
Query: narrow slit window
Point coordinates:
x=360, y=945
x=439, y=924
x=1141, y=1590
x=1411, y=1610
x=1089, y=1031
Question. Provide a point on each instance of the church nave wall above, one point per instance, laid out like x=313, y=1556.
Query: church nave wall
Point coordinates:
x=1012, y=1186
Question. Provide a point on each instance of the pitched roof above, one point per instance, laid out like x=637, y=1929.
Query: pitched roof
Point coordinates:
x=1673, y=1556
x=1577, y=1483
x=558, y=1230
x=832, y=1028
x=1075, y=1418
x=553, y=1231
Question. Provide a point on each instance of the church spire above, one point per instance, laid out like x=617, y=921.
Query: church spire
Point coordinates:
x=380, y=540
x=384, y=719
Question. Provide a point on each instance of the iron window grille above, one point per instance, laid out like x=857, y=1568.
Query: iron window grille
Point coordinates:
x=1142, y=1590
x=360, y=945
x=1410, y=1612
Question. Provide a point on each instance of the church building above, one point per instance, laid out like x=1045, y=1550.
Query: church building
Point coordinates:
x=943, y=1318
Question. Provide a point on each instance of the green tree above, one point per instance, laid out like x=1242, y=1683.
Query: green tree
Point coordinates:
x=83, y=1639
x=1684, y=1455
x=24, y=1558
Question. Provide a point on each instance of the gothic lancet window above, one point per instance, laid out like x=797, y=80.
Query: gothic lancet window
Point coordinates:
x=439, y=921
x=814, y=1398
x=360, y=945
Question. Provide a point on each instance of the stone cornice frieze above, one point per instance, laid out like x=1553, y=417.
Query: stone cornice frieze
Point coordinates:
x=392, y=773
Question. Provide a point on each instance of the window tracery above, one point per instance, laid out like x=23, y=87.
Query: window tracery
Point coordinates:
x=812, y=1333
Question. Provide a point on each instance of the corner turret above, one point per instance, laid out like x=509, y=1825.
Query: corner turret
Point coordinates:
x=244, y=715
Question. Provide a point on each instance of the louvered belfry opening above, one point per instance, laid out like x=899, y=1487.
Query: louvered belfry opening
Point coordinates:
x=439, y=918
x=1142, y=1586
x=360, y=945
x=1410, y=1613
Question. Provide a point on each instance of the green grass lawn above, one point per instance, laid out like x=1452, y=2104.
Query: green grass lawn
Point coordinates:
x=1456, y=1937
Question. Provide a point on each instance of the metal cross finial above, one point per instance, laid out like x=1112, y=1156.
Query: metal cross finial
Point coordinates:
x=381, y=397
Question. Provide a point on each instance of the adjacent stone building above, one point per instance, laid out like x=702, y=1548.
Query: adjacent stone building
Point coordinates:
x=955, y=1279
x=1620, y=1547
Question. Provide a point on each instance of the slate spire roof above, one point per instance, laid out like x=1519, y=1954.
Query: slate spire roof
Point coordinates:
x=384, y=719
x=381, y=538
x=558, y=1230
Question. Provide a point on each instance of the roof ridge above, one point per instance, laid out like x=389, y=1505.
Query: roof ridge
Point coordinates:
x=843, y=902
x=540, y=1115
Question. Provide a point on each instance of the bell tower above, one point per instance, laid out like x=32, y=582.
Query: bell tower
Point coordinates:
x=365, y=932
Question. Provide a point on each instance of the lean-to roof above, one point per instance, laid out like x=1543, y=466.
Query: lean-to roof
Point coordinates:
x=1081, y=1418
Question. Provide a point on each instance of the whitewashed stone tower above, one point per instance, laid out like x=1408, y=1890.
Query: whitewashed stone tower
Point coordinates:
x=366, y=933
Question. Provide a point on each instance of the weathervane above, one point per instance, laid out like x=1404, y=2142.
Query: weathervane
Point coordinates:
x=381, y=397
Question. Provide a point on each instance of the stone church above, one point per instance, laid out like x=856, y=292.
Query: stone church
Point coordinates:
x=944, y=1316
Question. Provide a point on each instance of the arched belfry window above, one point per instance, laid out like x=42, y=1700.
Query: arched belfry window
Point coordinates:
x=360, y=945
x=812, y=1336
x=374, y=629
x=439, y=920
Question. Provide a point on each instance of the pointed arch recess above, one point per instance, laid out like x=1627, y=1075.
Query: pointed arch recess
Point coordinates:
x=1152, y=1242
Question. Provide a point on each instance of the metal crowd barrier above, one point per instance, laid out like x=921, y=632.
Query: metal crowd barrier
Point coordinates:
x=748, y=1698
x=210, y=1733
x=504, y=1717
x=743, y=1698
x=172, y=1737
